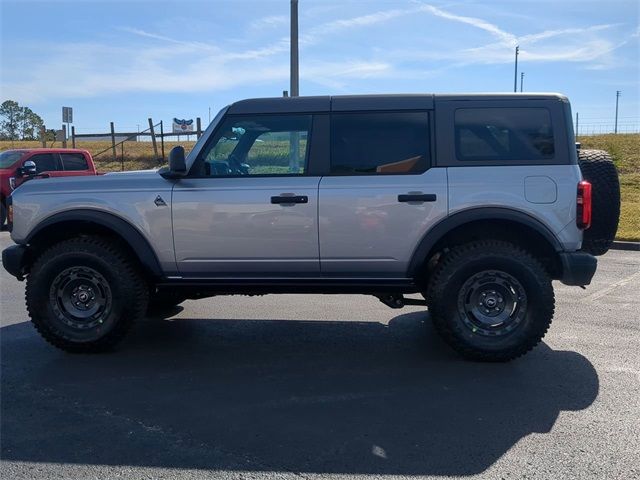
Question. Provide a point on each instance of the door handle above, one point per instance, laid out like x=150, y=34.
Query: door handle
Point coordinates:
x=279, y=199
x=417, y=197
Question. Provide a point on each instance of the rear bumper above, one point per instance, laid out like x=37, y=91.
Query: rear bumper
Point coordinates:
x=14, y=260
x=578, y=268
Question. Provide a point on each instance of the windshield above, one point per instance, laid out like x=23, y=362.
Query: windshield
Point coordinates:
x=8, y=158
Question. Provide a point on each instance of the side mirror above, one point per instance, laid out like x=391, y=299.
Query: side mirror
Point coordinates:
x=177, y=164
x=28, y=168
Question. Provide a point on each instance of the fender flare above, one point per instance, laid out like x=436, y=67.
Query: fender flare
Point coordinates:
x=121, y=227
x=437, y=232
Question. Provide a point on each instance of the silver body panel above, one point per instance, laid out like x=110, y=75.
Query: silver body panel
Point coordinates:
x=505, y=187
x=365, y=230
x=129, y=196
x=227, y=226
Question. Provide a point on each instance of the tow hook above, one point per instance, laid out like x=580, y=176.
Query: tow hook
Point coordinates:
x=394, y=300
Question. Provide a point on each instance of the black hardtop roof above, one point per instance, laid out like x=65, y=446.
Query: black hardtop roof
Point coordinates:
x=337, y=103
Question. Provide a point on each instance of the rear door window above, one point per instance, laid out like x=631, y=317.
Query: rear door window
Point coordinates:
x=503, y=134
x=45, y=162
x=74, y=161
x=379, y=143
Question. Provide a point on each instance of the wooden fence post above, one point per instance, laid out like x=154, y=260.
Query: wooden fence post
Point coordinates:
x=43, y=136
x=153, y=139
x=73, y=136
x=162, y=138
x=113, y=142
x=198, y=128
x=64, y=136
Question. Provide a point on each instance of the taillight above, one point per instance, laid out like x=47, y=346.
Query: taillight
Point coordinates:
x=583, y=211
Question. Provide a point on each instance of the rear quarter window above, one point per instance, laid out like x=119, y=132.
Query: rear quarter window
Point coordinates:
x=504, y=134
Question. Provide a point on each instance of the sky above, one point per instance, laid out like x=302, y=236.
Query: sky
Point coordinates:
x=126, y=61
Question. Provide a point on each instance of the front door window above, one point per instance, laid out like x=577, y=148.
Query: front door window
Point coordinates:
x=256, y=145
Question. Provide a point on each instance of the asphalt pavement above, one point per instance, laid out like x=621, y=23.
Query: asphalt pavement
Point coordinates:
x=319, y=386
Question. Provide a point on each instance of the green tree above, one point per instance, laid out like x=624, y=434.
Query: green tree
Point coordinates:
x=10, y=113
x=19, y=123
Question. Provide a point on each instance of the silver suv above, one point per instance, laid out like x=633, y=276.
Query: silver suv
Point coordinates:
x=475, y=201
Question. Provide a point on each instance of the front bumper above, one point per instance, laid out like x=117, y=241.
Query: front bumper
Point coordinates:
x=14, y=260
x=578, y=268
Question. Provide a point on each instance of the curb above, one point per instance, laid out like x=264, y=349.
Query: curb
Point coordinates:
x=620, y=245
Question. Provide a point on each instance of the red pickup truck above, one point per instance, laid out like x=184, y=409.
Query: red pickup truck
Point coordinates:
x=47, y=162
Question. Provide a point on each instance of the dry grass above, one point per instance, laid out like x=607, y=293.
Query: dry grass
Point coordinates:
x=624, y=148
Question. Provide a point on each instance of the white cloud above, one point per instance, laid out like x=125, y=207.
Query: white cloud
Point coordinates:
x=178, y=65
x=270, y=21
x=494, y=30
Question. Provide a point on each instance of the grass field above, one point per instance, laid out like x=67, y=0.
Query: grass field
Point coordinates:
x=624, y=148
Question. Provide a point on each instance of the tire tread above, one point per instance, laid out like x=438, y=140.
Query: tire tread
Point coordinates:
x=130, y=277
x=447, y=268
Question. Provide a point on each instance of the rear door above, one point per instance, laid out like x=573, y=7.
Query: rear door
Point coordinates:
x=74, y=164
x=381, y=194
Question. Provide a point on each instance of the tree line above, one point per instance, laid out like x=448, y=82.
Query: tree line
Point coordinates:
x=18, y=122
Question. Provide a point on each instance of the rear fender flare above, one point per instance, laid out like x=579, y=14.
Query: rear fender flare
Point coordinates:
x=437, y=233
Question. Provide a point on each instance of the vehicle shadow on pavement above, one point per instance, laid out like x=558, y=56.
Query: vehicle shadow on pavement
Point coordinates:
x=267, y=395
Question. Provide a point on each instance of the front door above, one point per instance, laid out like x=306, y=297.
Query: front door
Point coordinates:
x=46, y=164
x=248, y=207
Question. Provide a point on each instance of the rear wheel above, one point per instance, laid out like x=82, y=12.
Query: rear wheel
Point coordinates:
x=84, y=294
x=490, y=300
x=598, y=169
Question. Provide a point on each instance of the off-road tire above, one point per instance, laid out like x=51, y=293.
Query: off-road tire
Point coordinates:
x=127, y=289
x=599, y=170
x=490, y=257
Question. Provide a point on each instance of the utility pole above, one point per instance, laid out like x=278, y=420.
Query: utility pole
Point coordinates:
x=294, y=138
x=294, y=88
x=521, y=80
x=615, y=129
x=577, y=123
x=209, y=115
x=515, y=75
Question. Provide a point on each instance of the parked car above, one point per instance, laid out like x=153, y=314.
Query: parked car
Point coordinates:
x=19, y=165
x=475, y=201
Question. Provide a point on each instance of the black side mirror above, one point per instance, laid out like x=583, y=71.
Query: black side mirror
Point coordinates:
x=28, y=169
x=177, y=164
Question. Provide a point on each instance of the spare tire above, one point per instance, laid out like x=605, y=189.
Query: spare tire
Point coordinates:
x=598, y=169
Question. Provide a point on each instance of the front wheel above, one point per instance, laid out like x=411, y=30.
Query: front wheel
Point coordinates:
x=490, y=300
x=84, y=294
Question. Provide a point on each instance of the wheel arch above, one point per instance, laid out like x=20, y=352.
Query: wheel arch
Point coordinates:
x=488, y=222
x=65, y=225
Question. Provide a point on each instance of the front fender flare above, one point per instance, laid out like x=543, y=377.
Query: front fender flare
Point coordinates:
x=121, y=227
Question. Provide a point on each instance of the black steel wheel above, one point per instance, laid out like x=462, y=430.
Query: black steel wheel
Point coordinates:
x=84, y=294
x=80, y=297
x=492, y=303
x=490, y=300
